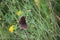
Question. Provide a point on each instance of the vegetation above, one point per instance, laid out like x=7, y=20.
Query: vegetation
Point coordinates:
x=42, y=18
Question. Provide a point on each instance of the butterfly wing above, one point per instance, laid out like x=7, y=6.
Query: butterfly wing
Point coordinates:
x=22, y=23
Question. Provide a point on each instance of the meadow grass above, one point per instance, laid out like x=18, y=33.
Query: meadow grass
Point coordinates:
x=40, y=18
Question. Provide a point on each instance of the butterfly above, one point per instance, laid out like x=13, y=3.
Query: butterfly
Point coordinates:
x=22, y=22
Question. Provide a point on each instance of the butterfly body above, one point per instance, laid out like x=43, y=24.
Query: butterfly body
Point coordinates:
x=22, y=22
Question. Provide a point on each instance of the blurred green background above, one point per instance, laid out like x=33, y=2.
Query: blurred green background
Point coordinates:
x=42, y=18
